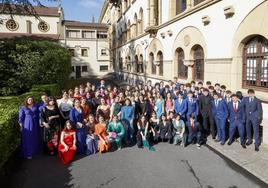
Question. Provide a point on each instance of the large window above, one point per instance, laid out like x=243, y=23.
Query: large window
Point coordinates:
x=198, y=63
x=88, y=34
x=255, y=63
x=102, y=35
x=182, y=69
x=73, y=33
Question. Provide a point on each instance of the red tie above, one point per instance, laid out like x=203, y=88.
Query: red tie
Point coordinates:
x=192, y=125
x=235, y=109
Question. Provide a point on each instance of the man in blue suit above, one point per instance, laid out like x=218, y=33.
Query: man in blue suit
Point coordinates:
x=180, y=106
x=237, y=119
x=254, y=113
x=192, y=106
x=195, y=131
x=220, y=113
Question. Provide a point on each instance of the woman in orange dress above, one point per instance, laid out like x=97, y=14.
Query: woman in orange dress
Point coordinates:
x=100, y=131
x=67, y=147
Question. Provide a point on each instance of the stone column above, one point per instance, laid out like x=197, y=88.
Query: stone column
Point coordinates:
x=124, y=6
x=172, y=9
x=189, y=4
x=152, y=13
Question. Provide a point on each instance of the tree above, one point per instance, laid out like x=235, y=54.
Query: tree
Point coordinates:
x=25, y=62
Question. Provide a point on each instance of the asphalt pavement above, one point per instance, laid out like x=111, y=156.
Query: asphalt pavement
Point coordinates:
x=167, y=167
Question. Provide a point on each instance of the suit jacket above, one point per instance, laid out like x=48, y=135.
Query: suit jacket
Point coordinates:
x=253, y=109
x=180, y=108
x=220, y=111
x=192, y=107
x=238, y=115
x=205, y=105
x=197, y=127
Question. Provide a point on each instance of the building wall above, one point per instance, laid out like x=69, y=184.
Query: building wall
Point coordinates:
x=94, y=59
x=22, y=21
x=222, y=40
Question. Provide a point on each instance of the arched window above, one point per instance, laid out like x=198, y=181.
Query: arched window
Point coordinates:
x=182, y=69
x=161, y=63
x=128, y=64
x=140, y=65
x=198, y=62
x=140, y=22
x=135, y=66
x=152, y=63
x=255, y=63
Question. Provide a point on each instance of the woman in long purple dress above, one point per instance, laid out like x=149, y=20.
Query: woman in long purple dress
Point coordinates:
x=30, y=129
x=76, y=117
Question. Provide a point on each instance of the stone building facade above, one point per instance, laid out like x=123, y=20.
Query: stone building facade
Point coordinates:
x=223, y=41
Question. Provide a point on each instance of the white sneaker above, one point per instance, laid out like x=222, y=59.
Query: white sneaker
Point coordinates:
x=198, y=145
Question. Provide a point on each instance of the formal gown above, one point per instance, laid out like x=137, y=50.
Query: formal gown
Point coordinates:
x=81, y=133
x=51, y=134
x=159, y=108
x=118, y=132
x=91, y=140
x=67, y=156
x=30, y=134
x=100, y=131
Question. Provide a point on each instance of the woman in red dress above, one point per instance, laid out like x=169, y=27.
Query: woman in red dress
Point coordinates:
x=67, y=147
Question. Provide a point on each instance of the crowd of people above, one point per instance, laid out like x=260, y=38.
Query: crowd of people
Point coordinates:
x=99, y=118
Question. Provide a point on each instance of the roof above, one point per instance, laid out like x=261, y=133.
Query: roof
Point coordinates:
x=52, y=37
x=72, y=23
x=28, y=10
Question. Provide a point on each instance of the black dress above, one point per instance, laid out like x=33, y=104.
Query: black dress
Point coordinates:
x=51, y=134
x=166, y=131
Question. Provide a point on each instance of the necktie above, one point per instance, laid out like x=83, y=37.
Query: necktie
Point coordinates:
x=235, y=107
x=192, y=125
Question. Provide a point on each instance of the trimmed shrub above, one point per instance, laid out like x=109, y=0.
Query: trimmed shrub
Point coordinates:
x=9, y=127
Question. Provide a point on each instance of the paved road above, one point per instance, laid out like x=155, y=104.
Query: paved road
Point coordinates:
x=167, y=167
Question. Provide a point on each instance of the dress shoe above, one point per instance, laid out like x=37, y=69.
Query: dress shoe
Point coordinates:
x=249, y=143
x=244, y=146
x=229, y=143
x=256, y=148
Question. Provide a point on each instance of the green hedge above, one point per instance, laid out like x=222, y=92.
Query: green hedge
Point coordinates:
x=9, y=128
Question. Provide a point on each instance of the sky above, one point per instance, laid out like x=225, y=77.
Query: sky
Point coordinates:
x=79, y=10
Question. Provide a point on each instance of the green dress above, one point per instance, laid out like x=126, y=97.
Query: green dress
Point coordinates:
x=117, y=128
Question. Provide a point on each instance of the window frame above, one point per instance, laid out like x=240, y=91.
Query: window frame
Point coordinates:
x=258, y=56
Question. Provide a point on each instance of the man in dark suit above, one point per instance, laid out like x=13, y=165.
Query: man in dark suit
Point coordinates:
x=220, y=113
x=192, y=106
x=180, y=106
x=237, y=119
x=254, y=113
x=195, y=131
x=205, y=106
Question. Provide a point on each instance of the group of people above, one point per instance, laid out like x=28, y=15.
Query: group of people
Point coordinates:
x=100, y=118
